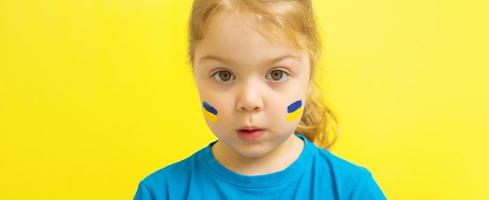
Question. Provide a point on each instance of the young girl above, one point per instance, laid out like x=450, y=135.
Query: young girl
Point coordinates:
x=254, y=63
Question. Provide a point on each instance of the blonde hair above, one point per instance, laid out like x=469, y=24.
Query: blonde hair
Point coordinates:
x=295, y=20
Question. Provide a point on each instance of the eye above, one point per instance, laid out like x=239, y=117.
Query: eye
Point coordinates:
x=278, y=75
x=223, y=76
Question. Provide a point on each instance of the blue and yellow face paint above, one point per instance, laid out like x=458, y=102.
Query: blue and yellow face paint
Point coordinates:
x=294, y=111
x=210, y=112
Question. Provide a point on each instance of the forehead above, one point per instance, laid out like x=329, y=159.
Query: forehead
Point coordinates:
x=234, y=36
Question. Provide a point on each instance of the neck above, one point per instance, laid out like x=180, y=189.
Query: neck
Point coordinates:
x=278, y=159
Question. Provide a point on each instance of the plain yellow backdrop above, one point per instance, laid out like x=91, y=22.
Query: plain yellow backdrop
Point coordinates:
x=95, y=95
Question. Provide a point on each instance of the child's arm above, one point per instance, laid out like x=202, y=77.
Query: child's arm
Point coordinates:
x=143, y=192
x=146, y=192
x=368, y=189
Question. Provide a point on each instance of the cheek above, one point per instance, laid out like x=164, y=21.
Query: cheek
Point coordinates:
x=217, y=111
x=210, y=105
x=210, y=112
x=287, y=113
x=294, y=111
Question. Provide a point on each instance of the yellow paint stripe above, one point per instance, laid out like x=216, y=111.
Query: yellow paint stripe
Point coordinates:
x=211, y=117
x=294, y=115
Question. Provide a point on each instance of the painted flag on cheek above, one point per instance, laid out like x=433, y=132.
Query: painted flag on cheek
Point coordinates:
x=210, y=112
x=294, y=111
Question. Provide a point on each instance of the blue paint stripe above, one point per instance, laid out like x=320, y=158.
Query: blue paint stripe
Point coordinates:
x=294, y=106
x=210, y=108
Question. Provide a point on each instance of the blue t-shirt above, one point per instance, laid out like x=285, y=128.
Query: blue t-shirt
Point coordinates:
x=316, y=174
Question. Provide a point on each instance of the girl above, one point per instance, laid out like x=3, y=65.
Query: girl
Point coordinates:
x=254, y=63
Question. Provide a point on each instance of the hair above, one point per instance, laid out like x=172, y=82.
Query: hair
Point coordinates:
x=295, y=20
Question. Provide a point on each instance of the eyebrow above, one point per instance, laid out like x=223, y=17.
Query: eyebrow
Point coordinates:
x=270, y=61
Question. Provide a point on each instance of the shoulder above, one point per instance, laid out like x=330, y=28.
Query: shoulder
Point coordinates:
x=341, y=165
x=175, y=172
x=158, y=184
x=355, y=180
x=168, y=172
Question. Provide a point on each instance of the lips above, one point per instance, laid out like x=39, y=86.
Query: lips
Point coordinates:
x=250, y=129
x=249, y=134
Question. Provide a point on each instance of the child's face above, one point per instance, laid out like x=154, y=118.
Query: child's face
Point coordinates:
x=249, y=81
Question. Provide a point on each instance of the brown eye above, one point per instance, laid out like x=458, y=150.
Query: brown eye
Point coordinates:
x=278, y=75
x=223, y=76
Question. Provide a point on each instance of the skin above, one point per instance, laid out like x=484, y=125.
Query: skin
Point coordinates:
x=252, y=96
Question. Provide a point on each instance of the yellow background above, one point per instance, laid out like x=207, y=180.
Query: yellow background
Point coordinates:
x=95, y=95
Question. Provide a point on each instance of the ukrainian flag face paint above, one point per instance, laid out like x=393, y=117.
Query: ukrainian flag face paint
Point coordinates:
x=210, y=112
x=294, y=111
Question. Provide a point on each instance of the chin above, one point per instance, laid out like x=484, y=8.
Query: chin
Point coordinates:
x=257, y=151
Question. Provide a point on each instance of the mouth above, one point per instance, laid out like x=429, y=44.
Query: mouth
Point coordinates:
x=249, y=134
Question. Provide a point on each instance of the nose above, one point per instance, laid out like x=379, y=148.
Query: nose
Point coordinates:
x=250, y=98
